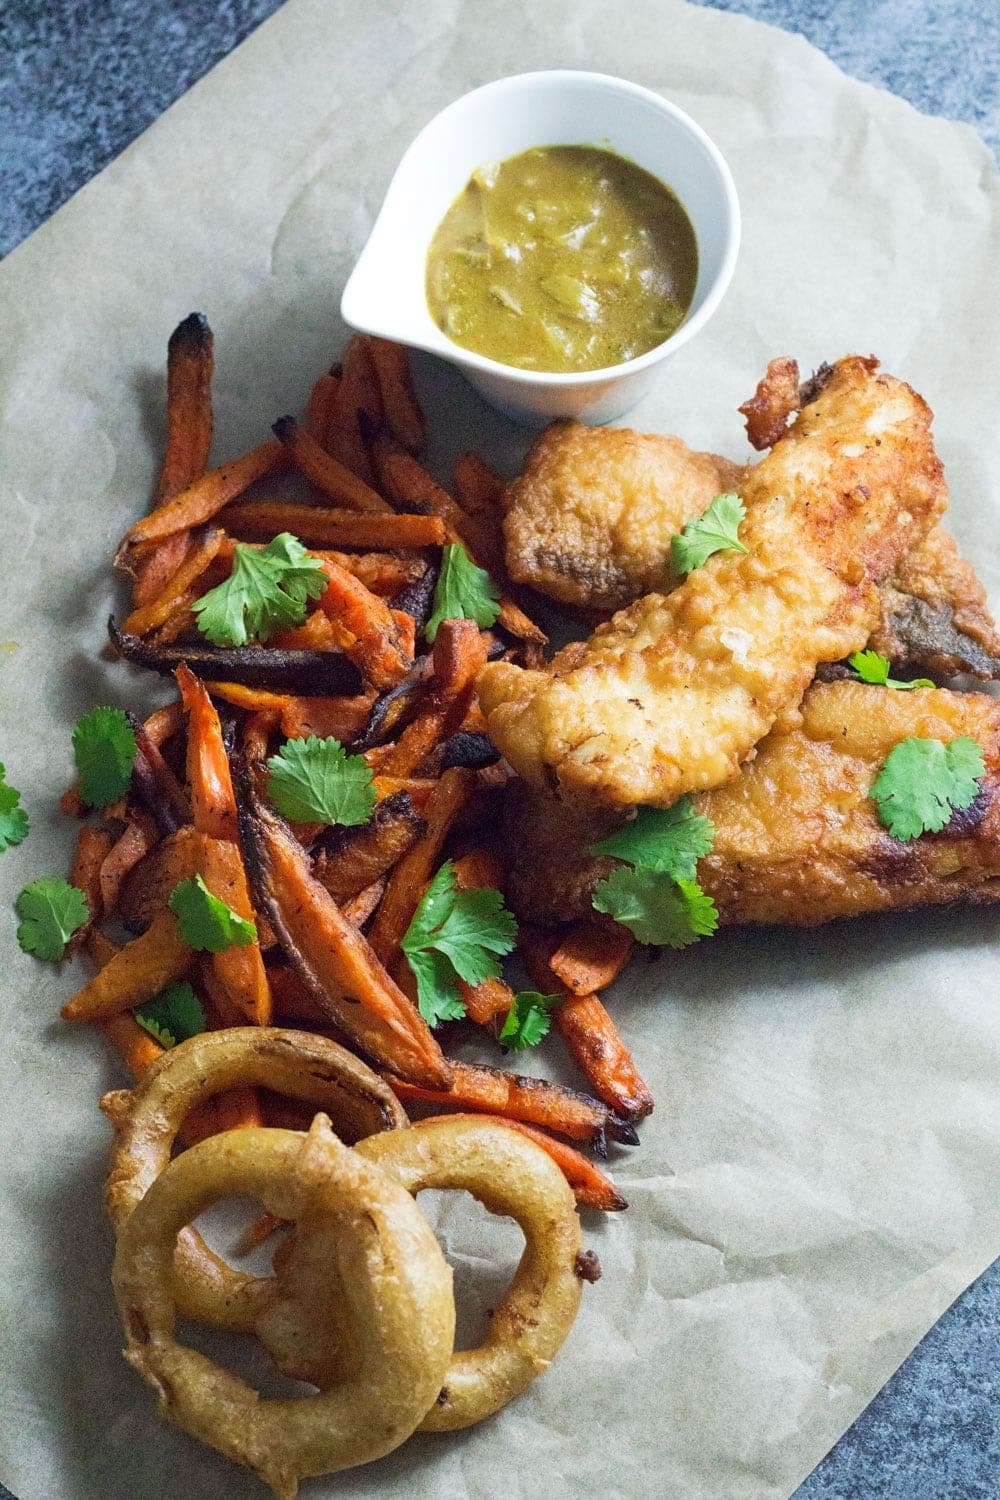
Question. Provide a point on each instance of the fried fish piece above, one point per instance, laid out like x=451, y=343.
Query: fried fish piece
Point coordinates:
x=798, y=840
x=935, y=618
x=590, y=520
x=671, y=694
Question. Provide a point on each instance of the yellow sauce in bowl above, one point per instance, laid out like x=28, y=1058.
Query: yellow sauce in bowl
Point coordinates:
x=563, y=258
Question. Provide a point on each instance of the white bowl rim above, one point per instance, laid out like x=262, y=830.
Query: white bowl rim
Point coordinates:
x=448, y=349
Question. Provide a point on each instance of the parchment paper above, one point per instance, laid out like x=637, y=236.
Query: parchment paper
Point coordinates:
x=819, y=1179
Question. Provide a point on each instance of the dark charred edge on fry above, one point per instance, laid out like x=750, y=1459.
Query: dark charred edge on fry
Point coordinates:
x=335, y=839
x=193, y=335
x=811, y=388
x=317, y=673
x=393, y=709
x=285, y=429
x=149, y=788
x=416, y=597
x=473, y=751
x=622, y=1130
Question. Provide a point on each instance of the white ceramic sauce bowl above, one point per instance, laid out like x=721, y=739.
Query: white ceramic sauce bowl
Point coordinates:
x=386, y=292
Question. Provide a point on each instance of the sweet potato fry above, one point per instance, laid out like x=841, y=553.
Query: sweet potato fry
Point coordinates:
x=402, y=411
x=154, y=784
x=137, y=973
x=591, y=956
x=407, y=628
x=385, y=573
x=206, y=497
x=321, y=526
x=349, y=859
x=137, y=1048
x=239, y=971
x=532, y=1100
x=348, y=982
x=411, y=875
x=360, y=907
x=210, y=785
x=147, y=885
x=328, y=474
x=491, y=999
x=163, y=723
x=251, y=666
x=478, y=486
x=458, y=657
x=592, y=1187
x=376, y=649
x=343, y=718
x=139, y=836
x=179, y=591
x=93, y=845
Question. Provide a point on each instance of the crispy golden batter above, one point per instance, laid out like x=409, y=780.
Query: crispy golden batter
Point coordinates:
x=590, y=520
x=797, y=839
x=672, y=693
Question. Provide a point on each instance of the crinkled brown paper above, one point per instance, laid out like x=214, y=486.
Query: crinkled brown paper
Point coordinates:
x=819, y=1180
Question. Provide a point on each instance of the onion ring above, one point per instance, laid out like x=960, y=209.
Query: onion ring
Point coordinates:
x=381, y=1255
x=509, y=1175
x=147, y=1118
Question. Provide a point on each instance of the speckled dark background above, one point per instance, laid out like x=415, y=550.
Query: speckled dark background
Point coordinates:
x=80, y=79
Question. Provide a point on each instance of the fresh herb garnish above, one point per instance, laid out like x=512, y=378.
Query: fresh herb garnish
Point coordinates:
x=51, y=910
x=873, y=668
x=670, y=840
x=455, y=935
x=268, y=590
x=315, y=780
x=104, y=749
x=13, y=818
x=528, y=1020
x=208, y=924
x=174, y=1015
x=923, y=781
x=713, y=531
x=463, y=592
x=658, y=899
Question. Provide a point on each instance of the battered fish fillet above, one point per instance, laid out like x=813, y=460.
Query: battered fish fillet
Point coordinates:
x=797, y=838
x=590, y=520
x=673, y=693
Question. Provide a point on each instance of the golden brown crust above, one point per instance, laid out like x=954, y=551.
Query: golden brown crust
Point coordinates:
x=797, y=838
x=590, y=520
x=775, y=400
x=671, y=694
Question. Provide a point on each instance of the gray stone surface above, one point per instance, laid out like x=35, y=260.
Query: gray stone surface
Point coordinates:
x=79, y=80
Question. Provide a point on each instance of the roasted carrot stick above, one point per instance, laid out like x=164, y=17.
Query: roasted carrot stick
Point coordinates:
x=137, y=1048
x=163, y=723
x=343, y=718
x=592, y=1187
x=590, y=957
x=240, y=971
x=138, y=972
x=139, y=836
x=514, y=1097
x=402, y=411
x=411, y=875
x=376, y=648
x=93, y=845
x=479, y=487
x=325, y=472
x=602, y=1056
x=206, y=496
x=320, y=526
x=408, y=485
x=178, y=591
x=332, y=957
x=253, y=699
x=357, y=393
x=213, y=804
x=314, y=634
x=491, y=999
x=360, y=907
x=459, y=654
x=319, y=408
x=189, y=439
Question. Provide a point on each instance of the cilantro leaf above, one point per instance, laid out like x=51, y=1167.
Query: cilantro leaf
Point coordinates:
x=670, y=840
x=104, y=749
x=667, y=913
x=13, y=819
x=208, y=924
x=174, y=1015
x=528, y=1020
x=51, y=910
x=267, y=591
x=923, y=781
x=463, y=592
x=316, y=780
x=455, y=935
x=713, y=531
x=873, y=668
